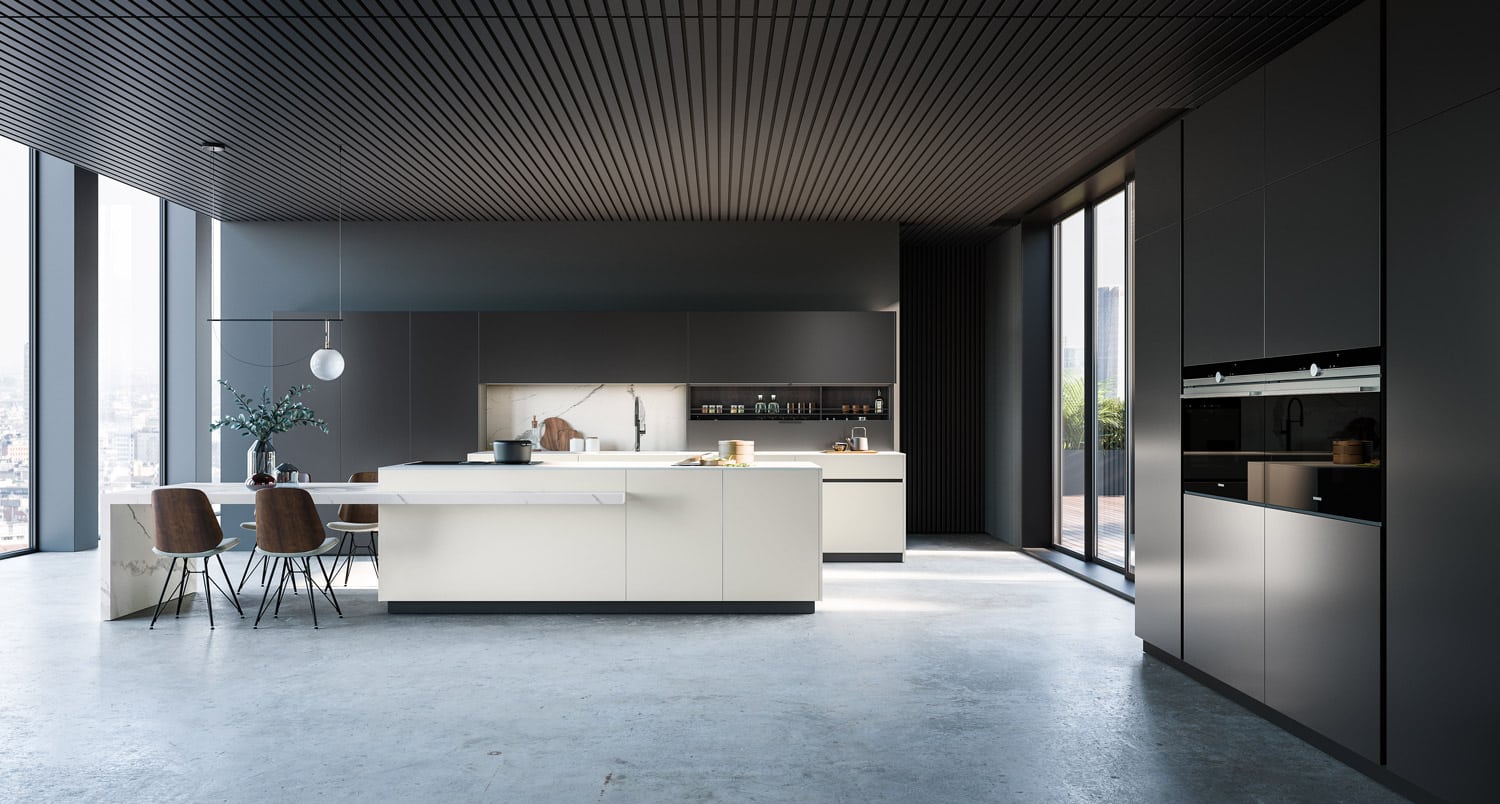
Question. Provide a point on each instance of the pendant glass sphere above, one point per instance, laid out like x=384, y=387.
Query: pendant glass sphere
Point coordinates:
x=327, y=364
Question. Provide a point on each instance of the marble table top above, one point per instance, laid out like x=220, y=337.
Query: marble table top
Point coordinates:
x=372, y=494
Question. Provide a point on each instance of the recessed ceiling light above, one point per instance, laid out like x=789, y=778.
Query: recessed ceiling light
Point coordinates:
x=213, y=147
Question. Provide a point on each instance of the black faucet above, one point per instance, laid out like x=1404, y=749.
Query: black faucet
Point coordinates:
x=1287, y=421
x=640, y=423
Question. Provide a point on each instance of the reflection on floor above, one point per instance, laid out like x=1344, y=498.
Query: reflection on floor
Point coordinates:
x=1111, y=526
x=969, y=673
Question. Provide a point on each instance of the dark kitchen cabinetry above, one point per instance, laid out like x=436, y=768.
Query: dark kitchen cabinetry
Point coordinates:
x=1439, y=54
x=1158, y=181
x=1223, y=283
x=444, y=384
x=1441, y=542
x=1157, y=423
x=1323, y=626
x=772, y=348
x=1223, y=591
x=1223, y=147
x=375, y=416
x=524, y=347
x=1323, y=96
x=1322, y=257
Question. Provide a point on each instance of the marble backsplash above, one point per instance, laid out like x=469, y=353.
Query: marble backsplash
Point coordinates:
x=603, y=410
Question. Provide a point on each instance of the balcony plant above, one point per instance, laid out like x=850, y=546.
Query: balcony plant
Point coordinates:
x=264, y=419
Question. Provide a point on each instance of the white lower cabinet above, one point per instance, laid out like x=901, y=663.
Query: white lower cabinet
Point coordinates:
x=673, y=537
x=864, y=517
x=770, y=551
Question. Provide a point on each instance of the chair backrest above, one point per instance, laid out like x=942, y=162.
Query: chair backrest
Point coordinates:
x=361, y=513
x=287, y=521
x=185, y=521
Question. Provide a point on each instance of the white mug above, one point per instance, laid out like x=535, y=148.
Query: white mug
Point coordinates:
x=591, y=444
x=575, y=445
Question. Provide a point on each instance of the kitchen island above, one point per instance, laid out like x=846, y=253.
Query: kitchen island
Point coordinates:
x=686, y=539
x=864, y=495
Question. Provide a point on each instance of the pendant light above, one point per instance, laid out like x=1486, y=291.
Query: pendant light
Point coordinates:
x=326, y=363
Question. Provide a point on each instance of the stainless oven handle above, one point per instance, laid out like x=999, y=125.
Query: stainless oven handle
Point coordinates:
x=1276, y=389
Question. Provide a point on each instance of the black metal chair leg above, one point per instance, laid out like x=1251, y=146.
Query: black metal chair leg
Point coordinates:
x=353, y=541
x=233, y=597
x=375, y=551
x=163, y=596
x=249, y=565
x=332, y=598
x=265, y=603
x=281, y=587
x=182, y=587
x=312, y=603
x=208, y=595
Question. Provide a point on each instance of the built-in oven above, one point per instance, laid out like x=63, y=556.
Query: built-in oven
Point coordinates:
x=1306, y=437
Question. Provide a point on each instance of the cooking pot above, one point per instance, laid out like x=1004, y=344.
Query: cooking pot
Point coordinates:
x=512, y=451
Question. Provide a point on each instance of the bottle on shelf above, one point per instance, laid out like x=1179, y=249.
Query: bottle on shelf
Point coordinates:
x=879, y=401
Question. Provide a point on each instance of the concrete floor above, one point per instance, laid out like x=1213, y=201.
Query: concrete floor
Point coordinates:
x=967, y=674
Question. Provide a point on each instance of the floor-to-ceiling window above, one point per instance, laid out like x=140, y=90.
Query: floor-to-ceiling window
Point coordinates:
x=1092, y=249
x=129, y=336
x=15, y=348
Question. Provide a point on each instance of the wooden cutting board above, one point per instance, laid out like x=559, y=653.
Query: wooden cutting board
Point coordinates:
x=557, y=433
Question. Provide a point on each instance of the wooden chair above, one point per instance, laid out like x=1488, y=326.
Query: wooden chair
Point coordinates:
x=354, y=519
x=289, y=532
x=186, y=528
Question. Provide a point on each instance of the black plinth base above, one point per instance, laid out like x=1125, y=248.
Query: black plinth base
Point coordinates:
x=890, y=558
x=599, y=607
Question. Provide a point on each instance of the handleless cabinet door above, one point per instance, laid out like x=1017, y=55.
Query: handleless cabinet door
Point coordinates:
x=1439, y=54
x=1322, y=272
x=1323, y=626
x=829, y=348
x=583, y=347
x=1223, y=283
x=444, y=384
x=1323, y=95
x=1157, y=428
x=1158, y=181
x=376, y=409
x=1223, y=147
x=1223, y=591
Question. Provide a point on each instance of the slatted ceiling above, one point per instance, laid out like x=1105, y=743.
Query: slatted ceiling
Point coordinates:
x=943, y=115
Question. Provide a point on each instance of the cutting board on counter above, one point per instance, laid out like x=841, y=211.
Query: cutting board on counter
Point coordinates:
x=851, y=451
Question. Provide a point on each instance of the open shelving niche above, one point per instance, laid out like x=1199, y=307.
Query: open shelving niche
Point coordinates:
x=814, y=402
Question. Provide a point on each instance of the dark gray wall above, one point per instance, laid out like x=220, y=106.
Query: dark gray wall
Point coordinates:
x=65, y=456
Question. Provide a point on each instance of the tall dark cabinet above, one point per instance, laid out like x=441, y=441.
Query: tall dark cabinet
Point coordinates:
x=1442, y=656
x=1157, y=411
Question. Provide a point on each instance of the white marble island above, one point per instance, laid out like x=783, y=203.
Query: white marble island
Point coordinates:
x=686, y=539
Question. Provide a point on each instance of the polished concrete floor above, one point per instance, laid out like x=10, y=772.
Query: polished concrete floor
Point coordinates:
x=966, y=674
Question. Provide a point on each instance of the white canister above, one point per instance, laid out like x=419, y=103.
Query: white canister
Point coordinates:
x=575, y=445
x=591, y=444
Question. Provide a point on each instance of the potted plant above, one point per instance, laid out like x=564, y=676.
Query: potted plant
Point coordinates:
x=263, y=419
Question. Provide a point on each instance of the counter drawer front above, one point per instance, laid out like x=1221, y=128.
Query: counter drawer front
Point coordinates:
x=864, y=517
x=773, y=546
x=1223, y=591
x=858, y=467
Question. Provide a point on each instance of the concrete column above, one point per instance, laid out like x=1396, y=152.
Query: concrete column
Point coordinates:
x=186, y=341
x=65, y=456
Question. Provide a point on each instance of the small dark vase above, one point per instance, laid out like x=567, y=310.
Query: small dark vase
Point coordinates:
x=260, y=480
x=260, y=459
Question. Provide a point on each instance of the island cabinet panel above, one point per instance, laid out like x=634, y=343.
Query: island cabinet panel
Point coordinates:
x=1223, y=591
x=770, y=549
x=1223, y=283
x=828, y=348
x=1158, y=440
x=444, y=384
x=864, y=517
x=673, y=535
x=1322, y=266
x=1323, y=626
x=1442, y=656
x=1323, y=96
x=1223, y=147
x=613, y=347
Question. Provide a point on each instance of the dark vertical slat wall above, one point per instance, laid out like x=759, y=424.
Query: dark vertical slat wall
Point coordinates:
x=942, y=387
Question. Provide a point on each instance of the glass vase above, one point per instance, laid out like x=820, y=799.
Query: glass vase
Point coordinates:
x=260, y=458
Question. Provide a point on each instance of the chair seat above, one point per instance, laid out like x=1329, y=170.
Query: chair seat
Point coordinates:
x=227, y=544
x=328, y=544
x=250, y=526
x=354, y=527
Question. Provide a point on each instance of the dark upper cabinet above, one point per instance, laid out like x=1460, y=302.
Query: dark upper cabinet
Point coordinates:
x=1439, y=54
x=1223, y=147
x=582, y=347
x=828, y=348
x=1158, y=181
x=1322, y=271
x=310, y=450
x=444, y=385
x=377, y=405
x=1157, y=431
x=1223, y=283
x=1223, y=591
x=1441, y=546
x=1323, y=626
x=1323, y=96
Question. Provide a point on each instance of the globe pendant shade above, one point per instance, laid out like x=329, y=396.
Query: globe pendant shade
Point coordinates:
x=327, y=364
